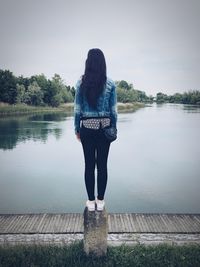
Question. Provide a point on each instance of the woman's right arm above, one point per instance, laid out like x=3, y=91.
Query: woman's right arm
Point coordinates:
x=113, y=106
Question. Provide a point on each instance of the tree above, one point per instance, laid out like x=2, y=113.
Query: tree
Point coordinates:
x=178, y=98
x=72, y=89
x=125, y=96
x=55, y=90
x=44, y=84
x=20, y=93
x=151, y=98
x=161, y=98
x=66, y=95
x=123, y=84
x=141, y=96
x=34, y=95
x=8, y=90
x=23, y=80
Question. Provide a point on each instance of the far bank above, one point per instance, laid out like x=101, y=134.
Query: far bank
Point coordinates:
x=20, y=109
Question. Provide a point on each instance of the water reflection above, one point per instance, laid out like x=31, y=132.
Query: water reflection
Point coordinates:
x=49, y=117
x=38, y=127
x=182, y=107
x=153, y=166
x=191, y=108
x=14, y=130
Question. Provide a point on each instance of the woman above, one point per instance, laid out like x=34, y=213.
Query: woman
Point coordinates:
x=95, y=107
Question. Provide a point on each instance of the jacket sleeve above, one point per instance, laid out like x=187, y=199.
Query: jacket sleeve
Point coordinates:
x=77, y=108
x=113, y=106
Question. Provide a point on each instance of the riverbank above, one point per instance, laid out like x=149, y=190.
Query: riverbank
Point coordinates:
x=20, y=109
x=127, y=107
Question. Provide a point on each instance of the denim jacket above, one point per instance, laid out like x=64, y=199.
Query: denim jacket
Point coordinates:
x=106, y=105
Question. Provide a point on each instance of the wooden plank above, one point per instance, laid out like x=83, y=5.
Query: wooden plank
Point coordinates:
x=128, y=222
x=115, y=220
x=69, y=219
x=40, y=223
x=4, y=223
x=178, y=224
x=165, y=223
x=54, y=225
x=133, y=227
x=36, y=221
x=79, y=223
x=73, y=222
x=196, y=218
x=66, y=222
x=155, y=225
x=43, y=226
x=34, y=218
x=118, y=223
x=162, y=225
x=182, y=223
x=13, y=223
x=62, y=223
x=82, y=226
x=144, y=222
x=146, y=219
x=51, y=227
x=109, y=223
x=171, y=225
x=112, y=222
x=135, y=222
x=141, y=223
x=21, y=228
x=193, y=226
x=123, y=229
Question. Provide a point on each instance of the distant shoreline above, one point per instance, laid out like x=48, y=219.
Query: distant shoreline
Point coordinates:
x=22, y=109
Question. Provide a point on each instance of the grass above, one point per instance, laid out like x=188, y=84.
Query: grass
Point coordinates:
x=124, y=107
x=20, y=109
x=73, y=256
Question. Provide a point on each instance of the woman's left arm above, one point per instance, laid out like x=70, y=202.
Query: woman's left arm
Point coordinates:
x=77, y=109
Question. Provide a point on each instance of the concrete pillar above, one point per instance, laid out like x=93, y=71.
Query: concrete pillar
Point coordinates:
x=95, y=232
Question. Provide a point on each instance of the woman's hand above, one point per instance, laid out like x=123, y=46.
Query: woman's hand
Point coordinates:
x=78, y=136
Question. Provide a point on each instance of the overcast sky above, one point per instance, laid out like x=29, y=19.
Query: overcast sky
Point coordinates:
x=153, y=44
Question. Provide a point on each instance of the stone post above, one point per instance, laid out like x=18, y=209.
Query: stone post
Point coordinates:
x=95, y=232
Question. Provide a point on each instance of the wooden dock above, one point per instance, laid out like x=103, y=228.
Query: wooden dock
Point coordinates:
x=133, y=226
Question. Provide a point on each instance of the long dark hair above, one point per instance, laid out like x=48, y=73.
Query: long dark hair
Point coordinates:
x=94, y=77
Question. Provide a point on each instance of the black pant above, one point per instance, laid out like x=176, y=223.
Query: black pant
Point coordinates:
x=95, y=148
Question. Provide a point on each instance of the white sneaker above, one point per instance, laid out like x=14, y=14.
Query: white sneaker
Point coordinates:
x=100, y=204
x=90, y=204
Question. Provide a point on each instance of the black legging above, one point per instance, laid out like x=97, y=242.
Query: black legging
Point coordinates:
x=95, y=148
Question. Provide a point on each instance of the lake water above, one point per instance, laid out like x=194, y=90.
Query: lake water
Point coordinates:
x=153, y=166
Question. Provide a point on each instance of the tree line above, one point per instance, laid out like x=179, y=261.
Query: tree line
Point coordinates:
x=126, y=93
x=190, y=97
x=36, y=90
x=40, y=91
